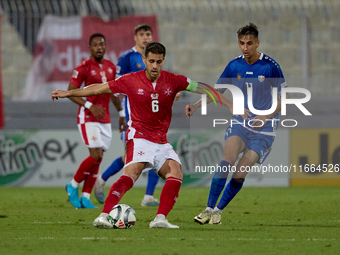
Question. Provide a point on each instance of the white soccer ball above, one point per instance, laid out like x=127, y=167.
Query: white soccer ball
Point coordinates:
x=122, y=216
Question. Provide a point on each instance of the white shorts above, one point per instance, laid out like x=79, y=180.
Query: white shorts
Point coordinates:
x=96, y=135
x=154, y=154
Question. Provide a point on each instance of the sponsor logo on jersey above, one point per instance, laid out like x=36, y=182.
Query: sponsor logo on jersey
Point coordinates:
x=75, y=74
x=261, y=78
x=168, y=92
x=140, y=92
x=139, y=66
x=239, y=76
x=93, y=72
x=251, y=73
x=154, y=96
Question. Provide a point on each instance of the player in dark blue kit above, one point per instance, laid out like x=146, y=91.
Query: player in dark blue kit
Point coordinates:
x=131, y=61
x=250, y=133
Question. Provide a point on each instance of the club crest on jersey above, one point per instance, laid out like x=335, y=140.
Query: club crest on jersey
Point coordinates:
x=154, y=96
x=168, y=92
x=102, y=73
x=140, y=92
x=75, y=74
x=261, y=78
x=239, y=76
x=139, y=65
x=118, y=69
x=110, y=70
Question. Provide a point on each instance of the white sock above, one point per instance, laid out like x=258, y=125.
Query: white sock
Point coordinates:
x=100, y=180
x=147, y=197
x=74, y=184
x=160, y=217
x=218, y=210
x=209, y=209
x=84, y=194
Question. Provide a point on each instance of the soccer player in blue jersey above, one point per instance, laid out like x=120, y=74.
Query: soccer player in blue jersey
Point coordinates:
x=260, y=72
x=131, y=61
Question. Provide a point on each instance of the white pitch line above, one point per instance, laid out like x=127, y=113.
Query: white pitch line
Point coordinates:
x=285, y=240
x=60, y=222
x=177, y=239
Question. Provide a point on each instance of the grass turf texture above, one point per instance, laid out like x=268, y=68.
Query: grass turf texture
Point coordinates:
x=258, y=221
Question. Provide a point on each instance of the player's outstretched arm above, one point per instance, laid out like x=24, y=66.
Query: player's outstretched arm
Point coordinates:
x=92, y=90
x=202, y=88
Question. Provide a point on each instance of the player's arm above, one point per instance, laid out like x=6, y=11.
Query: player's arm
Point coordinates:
x=262, y=119
x=118, y=105
x=204, y=89
x=97, y=111
x=92, y=90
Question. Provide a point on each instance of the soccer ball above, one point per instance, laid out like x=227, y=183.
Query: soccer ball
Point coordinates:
x=122, y=216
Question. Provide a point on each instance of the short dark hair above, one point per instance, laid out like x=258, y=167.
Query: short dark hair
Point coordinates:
x=155, y=48
x=250, y=29
x=96, y=35
x=144, y=27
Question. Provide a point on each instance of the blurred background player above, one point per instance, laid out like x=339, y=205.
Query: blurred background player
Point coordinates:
x=260, y=72
x=93, y=119
x=151, y=95
x=131, y=61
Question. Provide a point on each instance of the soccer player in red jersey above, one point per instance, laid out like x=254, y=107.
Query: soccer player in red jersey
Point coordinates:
x=93, y=119
x=151, y=94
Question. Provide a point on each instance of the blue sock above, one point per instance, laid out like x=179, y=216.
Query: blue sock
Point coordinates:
x=217, y=183
x=152, y=182
x=229, y=193
x=115, y=167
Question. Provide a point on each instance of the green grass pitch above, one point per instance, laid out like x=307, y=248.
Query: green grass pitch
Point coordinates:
x=257, y=221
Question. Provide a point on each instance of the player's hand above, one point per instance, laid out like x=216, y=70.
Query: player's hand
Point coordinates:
x=259, y=121
x=97, y=111
x=122, y=124
x=245, y=116
x=178, y=95
x=189, y=110
x=59, y=93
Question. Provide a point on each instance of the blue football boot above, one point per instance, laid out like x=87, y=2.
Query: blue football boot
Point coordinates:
x=73, y=195
x=86, y=203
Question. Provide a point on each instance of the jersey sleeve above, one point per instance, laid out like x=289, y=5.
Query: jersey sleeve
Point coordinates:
x=278, y=80
x=118, y=86
x=78, y=75
x=181, y=81
x=123, y=66
x=225, y=78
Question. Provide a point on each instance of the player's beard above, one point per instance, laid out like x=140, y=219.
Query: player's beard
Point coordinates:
x=98, y=59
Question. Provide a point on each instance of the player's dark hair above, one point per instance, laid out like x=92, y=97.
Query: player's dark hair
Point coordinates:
x=96, y=35
x=250, y=29
x=155, y=48
x=144, y=27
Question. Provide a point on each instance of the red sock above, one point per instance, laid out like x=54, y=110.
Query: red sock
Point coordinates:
x=169, y=195
x=118, y=189
x=85, y=168
x=91, y=179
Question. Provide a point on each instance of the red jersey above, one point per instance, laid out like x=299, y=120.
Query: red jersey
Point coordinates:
x=90, y=72
x=150, y=104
